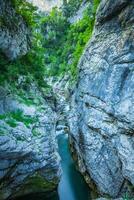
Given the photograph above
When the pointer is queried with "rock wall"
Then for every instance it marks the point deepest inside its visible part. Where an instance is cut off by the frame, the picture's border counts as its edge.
(29, 162)
(102, 106)
(46, 5)
(14, 33)
(80, 13)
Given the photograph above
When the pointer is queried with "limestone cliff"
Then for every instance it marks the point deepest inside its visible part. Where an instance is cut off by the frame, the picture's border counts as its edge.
(102, 108)
(14, 33)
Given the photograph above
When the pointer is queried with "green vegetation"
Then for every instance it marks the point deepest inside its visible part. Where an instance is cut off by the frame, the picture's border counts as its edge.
(12, 118)
(37, 183)
(27, 11)
(11, 122)
(20, 117)
(36, 132)
(56, 45)
(2, 131)
(71, 7)
(64, 42)
(127, 197)
(32, 64)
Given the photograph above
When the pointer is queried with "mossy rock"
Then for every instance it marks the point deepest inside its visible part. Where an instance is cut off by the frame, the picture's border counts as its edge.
(36, 184)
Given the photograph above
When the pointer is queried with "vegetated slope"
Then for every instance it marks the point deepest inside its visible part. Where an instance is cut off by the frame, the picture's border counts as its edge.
(64, 42)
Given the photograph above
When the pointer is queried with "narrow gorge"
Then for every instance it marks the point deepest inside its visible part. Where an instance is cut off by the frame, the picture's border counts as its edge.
(67, 100)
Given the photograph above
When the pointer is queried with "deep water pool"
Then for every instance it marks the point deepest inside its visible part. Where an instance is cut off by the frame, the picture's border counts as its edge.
(72, 185)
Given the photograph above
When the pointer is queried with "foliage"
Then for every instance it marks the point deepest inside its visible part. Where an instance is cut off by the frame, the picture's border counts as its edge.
(12, 118)
(70, 7)
(32, 64)
(27, 11)
(64, 42)
(57, 50)
(11, 122)
(21, 117)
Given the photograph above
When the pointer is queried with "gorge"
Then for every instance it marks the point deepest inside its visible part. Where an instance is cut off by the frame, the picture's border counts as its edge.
(67, 100)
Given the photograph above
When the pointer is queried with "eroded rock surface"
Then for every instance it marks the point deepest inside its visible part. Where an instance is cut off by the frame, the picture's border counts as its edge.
(102, 107)
(14, 33)
(29, 161)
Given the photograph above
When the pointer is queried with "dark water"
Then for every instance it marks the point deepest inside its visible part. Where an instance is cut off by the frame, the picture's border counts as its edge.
(72, 186)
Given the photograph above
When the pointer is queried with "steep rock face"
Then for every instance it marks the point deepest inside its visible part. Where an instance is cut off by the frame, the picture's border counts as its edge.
(102, 107)
(46, 5)
(29, 162)
(80, 13)
(14, 33)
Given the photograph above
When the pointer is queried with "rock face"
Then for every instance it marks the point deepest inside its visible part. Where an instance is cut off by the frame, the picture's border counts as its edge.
(29, 161)
(80, 13)
(46, 5)
(14, 33)
(102, 107)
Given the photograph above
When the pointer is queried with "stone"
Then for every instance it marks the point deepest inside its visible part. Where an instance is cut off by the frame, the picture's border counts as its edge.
(15, 35)
(102, 105)
(29, 160)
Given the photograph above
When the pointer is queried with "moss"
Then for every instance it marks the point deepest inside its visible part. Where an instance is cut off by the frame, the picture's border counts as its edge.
(26, 10)
(36, 133)
(39, 182)
(2, 21)
(12, 118)
(20, 117)
(36, 184)
(11, 122)
(2, 117)
(2, 132)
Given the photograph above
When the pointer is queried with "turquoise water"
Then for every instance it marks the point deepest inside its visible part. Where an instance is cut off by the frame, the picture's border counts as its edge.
(72, 186)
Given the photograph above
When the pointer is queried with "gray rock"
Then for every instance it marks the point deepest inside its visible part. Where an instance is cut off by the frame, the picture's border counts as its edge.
(102, 106)
(29, 161)
(14, 33)
(80, 13)
(47, 5)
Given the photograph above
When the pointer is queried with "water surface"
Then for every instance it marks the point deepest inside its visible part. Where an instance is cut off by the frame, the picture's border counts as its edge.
(72, 185)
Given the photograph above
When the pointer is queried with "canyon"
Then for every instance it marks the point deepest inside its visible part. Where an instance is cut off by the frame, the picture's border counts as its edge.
(96, 110)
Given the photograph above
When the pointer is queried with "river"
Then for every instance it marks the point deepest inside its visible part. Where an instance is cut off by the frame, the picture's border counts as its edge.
(72, 185)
